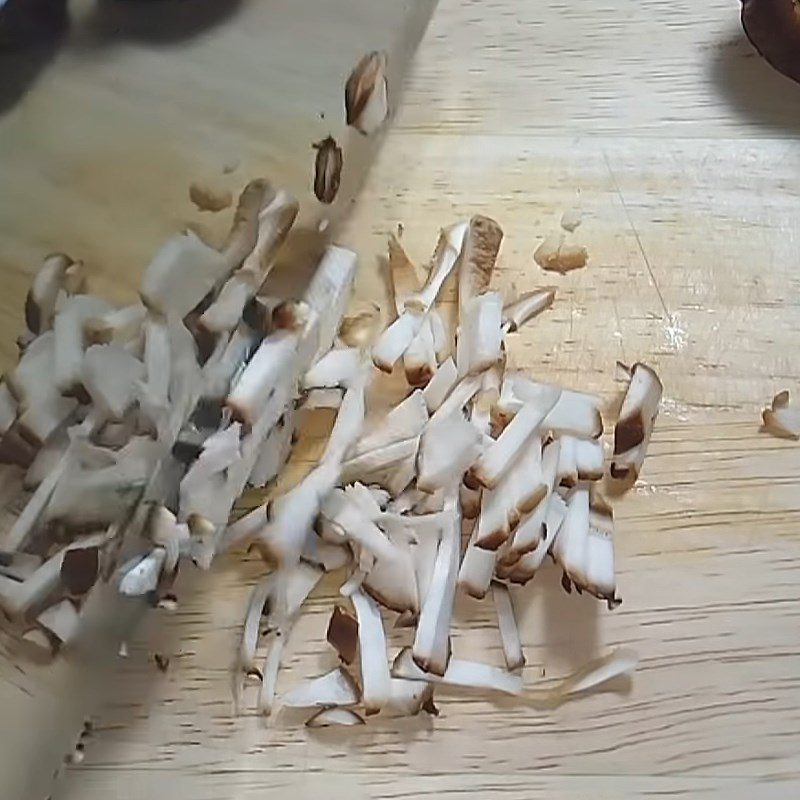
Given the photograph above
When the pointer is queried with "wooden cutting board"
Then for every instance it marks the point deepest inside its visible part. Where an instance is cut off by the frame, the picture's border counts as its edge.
(681, 148)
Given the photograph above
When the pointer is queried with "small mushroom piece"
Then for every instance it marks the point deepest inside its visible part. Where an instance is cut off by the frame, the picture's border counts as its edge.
(327, 169)
(440, 385)
(419, 359)
(342, 634)
(79, 569)
(366, 94)
(555, 254)
(781, 419)
(635, 424)
(207, 198)
(40, 303)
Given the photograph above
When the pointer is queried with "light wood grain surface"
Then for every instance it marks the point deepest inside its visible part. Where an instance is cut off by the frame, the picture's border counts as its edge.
(681, 148)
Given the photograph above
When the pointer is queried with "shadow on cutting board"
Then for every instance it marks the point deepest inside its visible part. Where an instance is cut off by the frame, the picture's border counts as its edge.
(33, 31)
(154, 21)
(751, 86)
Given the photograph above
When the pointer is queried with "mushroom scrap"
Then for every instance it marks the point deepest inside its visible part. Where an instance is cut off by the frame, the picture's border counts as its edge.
(140, 428)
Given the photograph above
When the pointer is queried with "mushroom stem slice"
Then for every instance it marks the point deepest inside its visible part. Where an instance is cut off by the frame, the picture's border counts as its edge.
(502, 453)
(252, 620)
(405, 276)
(527, 307)
(448, 250)
(270, 366)
(396, 339)
(337, 368)
(181, 274)
(477, 568)
(530, 531)
(507, 624)
(40, 303)
(570, 548)
(335, 688)
(407, 698)
(471, 674)
(419, 359)
(274, 223)
(480, 248)
(372, 645)
(329, 293)
(405, 421)
(440, 385)
(639, 409)
(431, 650)
(275, 451)
(480, 335)
(447, 449)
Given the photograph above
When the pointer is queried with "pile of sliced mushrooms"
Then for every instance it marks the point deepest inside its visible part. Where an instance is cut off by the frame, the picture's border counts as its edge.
(139, 428)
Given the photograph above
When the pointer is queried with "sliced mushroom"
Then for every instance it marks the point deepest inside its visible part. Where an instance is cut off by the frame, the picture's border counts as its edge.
(375, 677)
(365, 96)
(405, 421)
(431, 650)
(481, 246)
(527, 307)
(440, 385)
(470, 674)
(447, 449)
(342, 634)
(275, 220)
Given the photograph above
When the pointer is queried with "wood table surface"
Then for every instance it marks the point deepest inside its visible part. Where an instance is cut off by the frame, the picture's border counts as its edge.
(681, 147)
